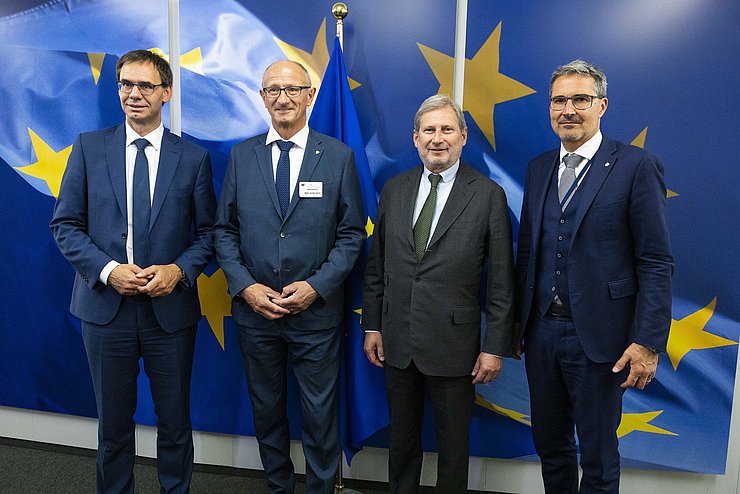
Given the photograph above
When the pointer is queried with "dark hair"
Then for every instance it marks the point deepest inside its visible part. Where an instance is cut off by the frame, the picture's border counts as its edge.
(146, 56)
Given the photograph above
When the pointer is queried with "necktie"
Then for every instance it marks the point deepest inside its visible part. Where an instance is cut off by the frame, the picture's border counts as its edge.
(282, 176)
(141, 204)
(423, 226)
(568, 177)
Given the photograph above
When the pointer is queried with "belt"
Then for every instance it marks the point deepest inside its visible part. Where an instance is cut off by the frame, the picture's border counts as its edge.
(558, 311)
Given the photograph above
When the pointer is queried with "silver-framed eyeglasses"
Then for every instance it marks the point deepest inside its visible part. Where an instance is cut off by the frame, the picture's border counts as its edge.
(145, 88)
(580, 101)
(290, 91)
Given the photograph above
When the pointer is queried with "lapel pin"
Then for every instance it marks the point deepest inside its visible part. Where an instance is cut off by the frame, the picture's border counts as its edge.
(316, 151)
(607, 164)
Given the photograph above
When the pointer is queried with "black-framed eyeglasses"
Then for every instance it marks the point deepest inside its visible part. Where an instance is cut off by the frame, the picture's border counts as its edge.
(290, 91)
(145, 88)
(580, 101)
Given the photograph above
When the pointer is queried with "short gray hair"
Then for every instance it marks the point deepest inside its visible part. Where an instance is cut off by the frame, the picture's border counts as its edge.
(581, 67)
(435, 103)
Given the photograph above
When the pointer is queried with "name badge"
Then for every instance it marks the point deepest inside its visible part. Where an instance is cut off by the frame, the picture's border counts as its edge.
(310, 189)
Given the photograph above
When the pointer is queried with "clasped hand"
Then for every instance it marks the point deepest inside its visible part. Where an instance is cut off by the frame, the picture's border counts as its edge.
(155, 281)
(270, 304)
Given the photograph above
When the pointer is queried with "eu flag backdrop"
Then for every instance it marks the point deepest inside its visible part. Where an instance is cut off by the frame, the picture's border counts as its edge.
(673, 69)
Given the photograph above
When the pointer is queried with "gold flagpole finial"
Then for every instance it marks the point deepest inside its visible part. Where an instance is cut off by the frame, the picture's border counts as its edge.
(339, 11)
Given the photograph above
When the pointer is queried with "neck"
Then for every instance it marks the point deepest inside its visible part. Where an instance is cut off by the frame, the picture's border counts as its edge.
(286, 132)
(143, 128)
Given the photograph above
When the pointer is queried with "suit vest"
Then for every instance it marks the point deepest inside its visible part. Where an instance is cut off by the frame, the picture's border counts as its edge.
(555, 239)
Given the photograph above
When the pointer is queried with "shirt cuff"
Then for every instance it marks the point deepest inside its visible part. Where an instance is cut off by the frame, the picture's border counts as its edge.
(107, 270)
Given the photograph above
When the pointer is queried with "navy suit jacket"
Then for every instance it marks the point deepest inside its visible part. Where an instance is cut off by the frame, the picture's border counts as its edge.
(90, 224)
(619, 260)
(318, 241)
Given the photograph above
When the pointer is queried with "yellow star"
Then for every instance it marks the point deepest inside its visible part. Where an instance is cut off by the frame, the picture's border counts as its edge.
(192, 60)
(639, 141)
(50, 164)
(215, 302)
(369, 227)
(632, 422)
(512, 414)
(96, 63)
(316, 61)
(485, 86)
(688, 334)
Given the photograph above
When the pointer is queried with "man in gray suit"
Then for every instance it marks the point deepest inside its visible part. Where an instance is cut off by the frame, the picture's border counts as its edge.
(438, 227)
(288, 232)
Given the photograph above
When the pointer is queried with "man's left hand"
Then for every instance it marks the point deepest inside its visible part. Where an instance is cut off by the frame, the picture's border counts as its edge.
(162, 279)
(486, 368)
(643, 364)
(296, 297)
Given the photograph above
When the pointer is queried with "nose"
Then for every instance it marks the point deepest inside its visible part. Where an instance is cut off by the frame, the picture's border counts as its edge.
(283, 97)
(569, 108)
(135, 93)
(437, 137)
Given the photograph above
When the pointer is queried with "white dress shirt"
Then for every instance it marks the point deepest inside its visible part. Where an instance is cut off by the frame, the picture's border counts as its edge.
(299, 140)
(586, 151)
(152, 155)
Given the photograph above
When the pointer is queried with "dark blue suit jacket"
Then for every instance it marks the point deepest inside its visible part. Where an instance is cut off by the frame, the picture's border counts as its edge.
(318, 241)
(619, 262)
(90, 224)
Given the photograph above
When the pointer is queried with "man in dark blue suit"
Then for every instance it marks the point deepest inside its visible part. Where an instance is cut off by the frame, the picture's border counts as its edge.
(289, 228)
(594, 270)
(134, 216)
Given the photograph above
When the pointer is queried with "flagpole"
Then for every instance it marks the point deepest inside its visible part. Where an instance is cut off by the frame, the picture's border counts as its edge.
(173, 19)
(339, 11)
(461, 20)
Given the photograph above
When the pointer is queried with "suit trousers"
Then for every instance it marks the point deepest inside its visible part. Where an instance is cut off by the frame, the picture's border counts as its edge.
(113, 351)
(452, 401)
(569, 390)
(315, 356)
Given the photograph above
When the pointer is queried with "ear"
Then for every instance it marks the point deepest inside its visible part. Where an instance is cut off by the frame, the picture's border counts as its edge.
(416, 139)
(311, 94)
(604, 103)
(464, 134)
(166, 94)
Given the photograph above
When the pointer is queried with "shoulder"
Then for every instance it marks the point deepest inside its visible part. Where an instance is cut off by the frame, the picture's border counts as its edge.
(633, 156)
(188, 147)
(100, 134)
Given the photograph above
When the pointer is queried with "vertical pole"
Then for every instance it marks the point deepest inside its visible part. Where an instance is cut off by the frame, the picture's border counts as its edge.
(173, 23)
(461, 20)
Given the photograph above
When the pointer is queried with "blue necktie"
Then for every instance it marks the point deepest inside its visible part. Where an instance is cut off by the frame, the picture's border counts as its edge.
(141, 205)
(282, 176)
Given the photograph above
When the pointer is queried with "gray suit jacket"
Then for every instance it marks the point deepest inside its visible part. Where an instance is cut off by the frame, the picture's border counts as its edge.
(430, 311)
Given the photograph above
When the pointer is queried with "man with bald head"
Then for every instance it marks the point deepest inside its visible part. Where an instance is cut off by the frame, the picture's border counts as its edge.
(290, 226)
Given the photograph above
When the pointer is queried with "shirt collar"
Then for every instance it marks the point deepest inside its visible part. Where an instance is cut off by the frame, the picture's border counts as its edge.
(447, 176)
(154, 137)
(587, 149)
(299, 139)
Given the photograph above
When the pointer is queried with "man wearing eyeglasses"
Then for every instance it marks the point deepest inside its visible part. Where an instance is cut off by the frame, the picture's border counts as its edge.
(594, 269)
(134, 216)
(289, 228)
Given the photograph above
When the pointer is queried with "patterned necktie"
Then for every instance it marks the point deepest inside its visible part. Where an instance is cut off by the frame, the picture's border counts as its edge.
(282, 176)
(423, 226)
(568, 177)
(141, 204)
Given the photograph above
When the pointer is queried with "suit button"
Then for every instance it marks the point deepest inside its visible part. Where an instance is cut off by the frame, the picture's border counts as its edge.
(417, 279)
(282, 234)
(557, 272)
(552, 289)
(560, 255)
(560, 237)
(124, 235)
(274, 271)
(562, 221)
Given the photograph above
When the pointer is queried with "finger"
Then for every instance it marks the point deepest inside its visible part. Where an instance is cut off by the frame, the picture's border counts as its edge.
(621, 363)
(631, 381)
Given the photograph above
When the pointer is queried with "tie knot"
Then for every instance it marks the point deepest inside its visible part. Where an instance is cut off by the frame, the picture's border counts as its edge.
(572, 160)
(284, 145)
(434, 179)
(141, 144)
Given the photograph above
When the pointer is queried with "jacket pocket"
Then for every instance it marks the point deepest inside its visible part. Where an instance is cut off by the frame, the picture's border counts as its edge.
(465, 315)
(623, 288)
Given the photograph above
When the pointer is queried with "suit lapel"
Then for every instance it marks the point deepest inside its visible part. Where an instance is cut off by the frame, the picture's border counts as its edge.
(115, 154)
(311, 157)
(602, 164)
(460, 195)
(263, 153)
(169, 158)
(407, 203)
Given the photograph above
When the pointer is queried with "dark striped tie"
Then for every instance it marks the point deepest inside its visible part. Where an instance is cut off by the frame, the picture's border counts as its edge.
(423, 226)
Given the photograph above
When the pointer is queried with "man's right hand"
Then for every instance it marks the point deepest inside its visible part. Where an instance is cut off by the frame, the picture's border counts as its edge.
(259, 297)
(374, 348)
(123, 279)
